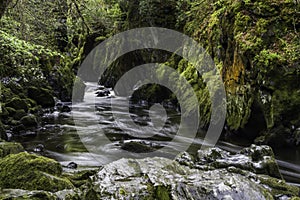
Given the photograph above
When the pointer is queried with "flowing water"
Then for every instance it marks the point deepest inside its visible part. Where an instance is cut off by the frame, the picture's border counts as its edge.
(91, 136)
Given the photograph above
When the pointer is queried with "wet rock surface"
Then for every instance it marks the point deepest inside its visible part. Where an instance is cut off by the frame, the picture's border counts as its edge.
(257, 159)
(213, 174)
(154, 178)
(186, 177)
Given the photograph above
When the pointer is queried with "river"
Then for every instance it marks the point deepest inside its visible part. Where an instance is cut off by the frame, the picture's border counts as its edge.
(91, 137)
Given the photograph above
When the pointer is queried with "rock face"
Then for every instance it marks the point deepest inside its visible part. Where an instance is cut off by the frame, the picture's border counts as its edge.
(161, 178)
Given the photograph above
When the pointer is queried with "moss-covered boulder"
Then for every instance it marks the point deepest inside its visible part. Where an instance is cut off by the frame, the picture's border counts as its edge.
(42, 96)
(19, 114)
(11, 111)
(7, 148)
(18, 104)
(32, 172)
(29, 121)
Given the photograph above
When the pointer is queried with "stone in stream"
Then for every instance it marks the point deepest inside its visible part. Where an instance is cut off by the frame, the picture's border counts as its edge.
(257, 159)
(103, 93)
(136, 147)
(72, 165)
(39, 148)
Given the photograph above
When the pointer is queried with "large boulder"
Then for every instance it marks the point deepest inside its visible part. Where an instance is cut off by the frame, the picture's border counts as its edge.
(32, 172)
(18, 104)
(161, 178)
(29, 121)
(257, 159)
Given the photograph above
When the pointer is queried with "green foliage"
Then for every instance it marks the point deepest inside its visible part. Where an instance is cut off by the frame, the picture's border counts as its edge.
(38, 22)
(24, 60)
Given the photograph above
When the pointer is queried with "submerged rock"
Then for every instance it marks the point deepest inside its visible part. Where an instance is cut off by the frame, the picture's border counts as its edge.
(137, 147)
(31, 172)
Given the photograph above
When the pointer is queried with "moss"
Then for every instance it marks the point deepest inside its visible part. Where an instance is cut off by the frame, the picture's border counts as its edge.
(31, 172)
(279, 186)
(42, 96)
(27, 195)
(80, 178)
(11, 111)
(29, 121)
(19, 114)
(7, 148)
(162, 193)
(253, 43)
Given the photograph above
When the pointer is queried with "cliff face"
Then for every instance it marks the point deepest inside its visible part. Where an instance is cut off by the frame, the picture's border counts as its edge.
(256, 46)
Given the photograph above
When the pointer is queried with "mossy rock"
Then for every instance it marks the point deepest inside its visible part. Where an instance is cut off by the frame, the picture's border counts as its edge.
(42, 96)
(3, 112)
(7, 148)
(18, 104)
(19, 114)
(32, 172)
(29, 121)
(279, 187)
(16, 194)
(11, 111)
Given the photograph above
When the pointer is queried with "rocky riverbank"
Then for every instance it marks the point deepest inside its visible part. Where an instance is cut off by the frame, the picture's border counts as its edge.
(213, 173)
